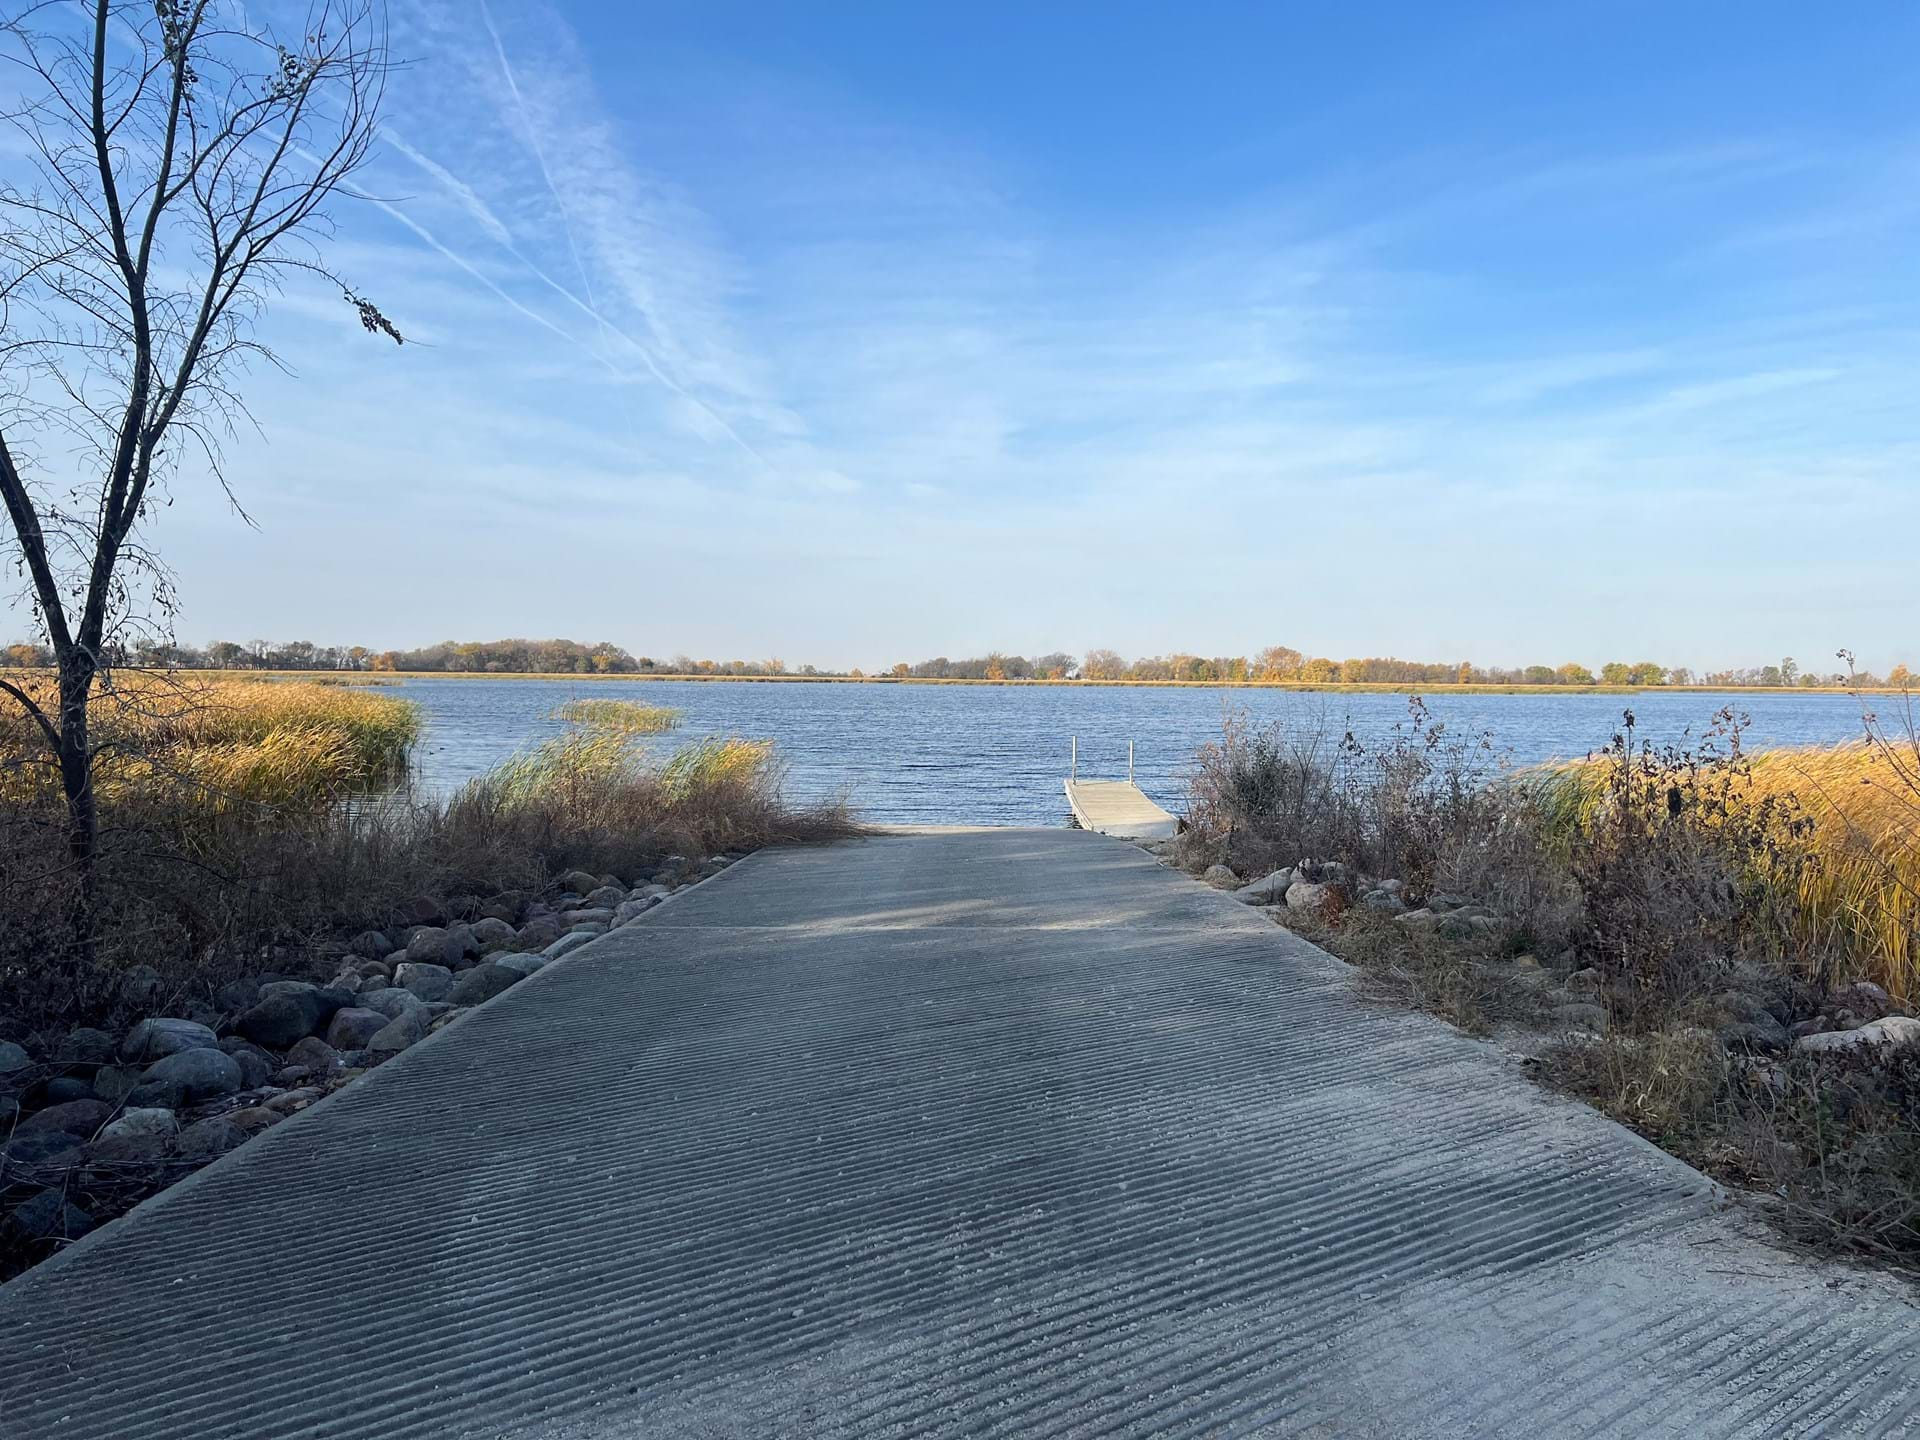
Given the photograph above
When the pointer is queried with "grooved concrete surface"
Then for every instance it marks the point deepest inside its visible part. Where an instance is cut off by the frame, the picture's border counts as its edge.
(999, 1133)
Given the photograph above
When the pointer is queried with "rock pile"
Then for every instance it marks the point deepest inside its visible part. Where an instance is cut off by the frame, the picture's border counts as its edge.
(91, 1121)
(1754, 1014)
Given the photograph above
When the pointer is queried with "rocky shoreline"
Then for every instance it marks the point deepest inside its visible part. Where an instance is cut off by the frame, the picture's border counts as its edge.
(1761, 1019)
(95, 1121)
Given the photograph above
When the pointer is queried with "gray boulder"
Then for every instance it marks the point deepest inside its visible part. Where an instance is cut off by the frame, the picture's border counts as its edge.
(238, 995)
(63, 1088)
(580, 882)
(75, 1117)
(194, 1075)
(154, 1122)
(289, 1101)
(1268, 890)
(157, 1038)
(606, 896)
(426, 980)
(316, 1055)
(406, 1030)
(482, 983)
(49, 1215)
(539, 932)
(567, 944)
(633, 909)
(522, 965)
(1384, 901)
(491, 933)
(13, 1059)
(1896, 1032)
(41, 1151)
(371, 945)
(1308, 896)
(435, 945)
(352, 1028)
(252, 1119)
(85, 1046)
(281, 1020)
(1220, 877)
(392, 1003)
(1763, 1034)
(113, 1083)
(209, 1138)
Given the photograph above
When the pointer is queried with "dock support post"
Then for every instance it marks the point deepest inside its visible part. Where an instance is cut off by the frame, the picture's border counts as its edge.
(1129, 762)
(1073, 770)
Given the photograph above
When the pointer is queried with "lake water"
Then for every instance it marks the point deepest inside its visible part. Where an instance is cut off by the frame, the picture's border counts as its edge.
(996, 754)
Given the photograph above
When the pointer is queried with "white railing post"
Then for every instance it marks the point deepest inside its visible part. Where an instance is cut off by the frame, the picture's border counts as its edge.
(1073, 770)
(1129, 762)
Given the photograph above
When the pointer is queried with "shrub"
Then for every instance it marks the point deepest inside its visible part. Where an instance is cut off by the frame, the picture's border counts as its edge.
(1416, 806)
(229, 849)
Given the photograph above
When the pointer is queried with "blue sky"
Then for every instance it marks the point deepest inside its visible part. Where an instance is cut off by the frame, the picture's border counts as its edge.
(852, 333)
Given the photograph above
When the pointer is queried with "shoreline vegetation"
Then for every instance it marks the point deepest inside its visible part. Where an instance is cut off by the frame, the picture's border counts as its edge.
(272, 911)
(1720, 950)
(367, 678)
(1276, 665)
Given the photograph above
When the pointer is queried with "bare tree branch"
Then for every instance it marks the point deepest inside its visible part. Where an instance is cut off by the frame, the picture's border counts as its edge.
(179, 156)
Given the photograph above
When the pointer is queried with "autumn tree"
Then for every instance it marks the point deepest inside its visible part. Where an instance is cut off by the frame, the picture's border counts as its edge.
(173, 160)
(1276, 662)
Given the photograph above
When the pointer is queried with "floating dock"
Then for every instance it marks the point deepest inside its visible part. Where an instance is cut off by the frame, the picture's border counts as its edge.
(1119, 807)
(1116, 807)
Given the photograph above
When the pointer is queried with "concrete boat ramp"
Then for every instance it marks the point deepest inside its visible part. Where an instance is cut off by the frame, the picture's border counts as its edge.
(995, 1133)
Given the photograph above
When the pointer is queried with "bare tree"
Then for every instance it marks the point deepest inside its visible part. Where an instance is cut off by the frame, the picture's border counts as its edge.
(177, 159)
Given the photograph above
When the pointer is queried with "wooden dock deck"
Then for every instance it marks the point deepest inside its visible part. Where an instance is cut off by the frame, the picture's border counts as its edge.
(1119, 807)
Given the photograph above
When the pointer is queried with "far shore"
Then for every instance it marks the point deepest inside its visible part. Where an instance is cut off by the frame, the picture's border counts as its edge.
(1328, 687)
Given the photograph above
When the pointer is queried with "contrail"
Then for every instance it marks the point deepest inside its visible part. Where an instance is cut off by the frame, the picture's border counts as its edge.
(428, 236)
(540, 158)
(591, 305)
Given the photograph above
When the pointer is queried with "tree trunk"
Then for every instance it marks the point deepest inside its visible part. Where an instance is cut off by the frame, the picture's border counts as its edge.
(76, 779)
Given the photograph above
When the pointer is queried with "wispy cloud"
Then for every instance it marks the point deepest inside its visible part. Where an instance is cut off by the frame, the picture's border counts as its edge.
(683, 309)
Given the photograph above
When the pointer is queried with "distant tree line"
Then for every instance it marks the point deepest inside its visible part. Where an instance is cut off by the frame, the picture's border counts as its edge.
(1281, 663)
(492, 657)
(1276, 663)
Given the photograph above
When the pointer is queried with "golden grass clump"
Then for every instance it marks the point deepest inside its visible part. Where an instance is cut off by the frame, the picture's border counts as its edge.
(1861, 893)
(1865, 888)
(624, 717)
(232, 742)
(609, 798)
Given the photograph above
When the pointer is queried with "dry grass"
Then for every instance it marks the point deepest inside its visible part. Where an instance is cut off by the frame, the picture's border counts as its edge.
(624, 717)
(1859, 897)
(1828, 1144)
(242, 835)
(1688, 907)
(1473, 985)
(225, 742)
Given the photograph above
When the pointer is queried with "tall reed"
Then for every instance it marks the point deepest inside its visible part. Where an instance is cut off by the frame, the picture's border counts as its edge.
(1859, 898)
(626, 717)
